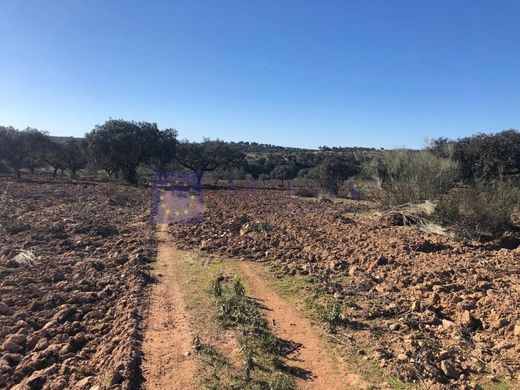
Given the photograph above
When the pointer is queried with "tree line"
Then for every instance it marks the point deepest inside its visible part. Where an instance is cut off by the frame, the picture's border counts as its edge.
(120, 147)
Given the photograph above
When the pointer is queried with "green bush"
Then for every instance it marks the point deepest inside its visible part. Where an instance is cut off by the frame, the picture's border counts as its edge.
(9, 210)
(483, 156)
(485, 210)
(410, 177)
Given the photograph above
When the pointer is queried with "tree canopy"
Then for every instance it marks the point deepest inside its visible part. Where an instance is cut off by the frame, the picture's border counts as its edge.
(207, 156)
(119, 145)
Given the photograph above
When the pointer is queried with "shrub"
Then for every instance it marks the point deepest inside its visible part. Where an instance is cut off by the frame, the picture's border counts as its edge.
(282, 172)
(333, 171)
(483, 156)
(410, 177)
(306, 192)
(9, 209)
(480, 211)
(331, 316)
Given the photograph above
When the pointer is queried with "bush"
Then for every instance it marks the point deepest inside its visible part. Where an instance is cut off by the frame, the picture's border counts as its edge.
(331, 316)
(333, 171)
(9, 210)
(481, 211)
(4, 168)
(483, 156)
(410, 177)
(306, 192)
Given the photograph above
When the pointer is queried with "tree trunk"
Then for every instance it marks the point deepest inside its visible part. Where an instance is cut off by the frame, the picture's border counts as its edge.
(18, 174)
(199, 178)
(54, 172)
(131, 176)
(32, 169)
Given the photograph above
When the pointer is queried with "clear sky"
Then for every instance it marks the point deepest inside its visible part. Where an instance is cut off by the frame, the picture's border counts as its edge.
(384, 73)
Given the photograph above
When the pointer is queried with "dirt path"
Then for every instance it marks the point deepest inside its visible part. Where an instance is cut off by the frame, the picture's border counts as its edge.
(327, 372)
(168, 363)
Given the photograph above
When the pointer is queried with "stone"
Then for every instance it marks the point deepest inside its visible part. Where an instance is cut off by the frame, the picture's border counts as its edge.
(447, 324)
(4, 309)
(516, 330)
(84, 384)
(14, 344)
(444, 354)
(449, 370)
(500, 323)
(402, 357)
(416, 306)
(11, 347)
(382, 260)
(42, 344)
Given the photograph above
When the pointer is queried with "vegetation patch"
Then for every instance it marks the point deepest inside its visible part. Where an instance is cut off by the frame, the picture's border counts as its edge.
(237, 349)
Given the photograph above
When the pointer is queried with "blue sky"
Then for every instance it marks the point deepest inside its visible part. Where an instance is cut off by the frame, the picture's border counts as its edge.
(297, 73)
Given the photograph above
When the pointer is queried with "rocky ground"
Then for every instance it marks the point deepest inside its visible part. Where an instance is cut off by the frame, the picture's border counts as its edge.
(72, 271)
(439, 312)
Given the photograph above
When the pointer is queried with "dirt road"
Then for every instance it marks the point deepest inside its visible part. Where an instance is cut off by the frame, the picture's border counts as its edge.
(325, 372)
(168, 362)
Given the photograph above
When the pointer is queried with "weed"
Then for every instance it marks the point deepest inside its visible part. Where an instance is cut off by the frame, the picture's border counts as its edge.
(331, 316)
(485, 210)
(281, 381)
(239, 288)
(216, 286)
(260, 348)
(9, 210)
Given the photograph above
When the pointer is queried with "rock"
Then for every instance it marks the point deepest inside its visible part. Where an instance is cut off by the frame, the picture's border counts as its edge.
(500, 323)
(13, 358)
(382, 260)
(467, 320)
(416, 306)
(447, 324)
(64, 313)
(120, 260)
(12, 347)
(84, 384)
(4, 309)
(58, 277)
(449, 370)
(42, 344)
(116, 378)
(14, 344)
(444, 354)
(516, 330)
